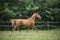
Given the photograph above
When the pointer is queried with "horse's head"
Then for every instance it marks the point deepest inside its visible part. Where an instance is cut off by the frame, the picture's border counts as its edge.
(37, 15)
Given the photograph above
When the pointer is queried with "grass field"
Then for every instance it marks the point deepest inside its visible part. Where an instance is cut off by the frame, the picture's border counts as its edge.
(31, 35)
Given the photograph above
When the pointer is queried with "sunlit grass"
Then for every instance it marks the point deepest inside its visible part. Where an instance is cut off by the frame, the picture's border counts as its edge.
(31, 35)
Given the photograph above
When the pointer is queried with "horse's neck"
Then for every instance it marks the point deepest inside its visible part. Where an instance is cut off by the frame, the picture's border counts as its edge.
(32, 18)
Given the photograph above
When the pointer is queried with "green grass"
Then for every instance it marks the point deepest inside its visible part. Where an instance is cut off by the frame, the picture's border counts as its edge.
(31, 35)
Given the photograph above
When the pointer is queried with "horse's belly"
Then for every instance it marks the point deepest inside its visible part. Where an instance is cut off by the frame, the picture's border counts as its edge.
(26, 23)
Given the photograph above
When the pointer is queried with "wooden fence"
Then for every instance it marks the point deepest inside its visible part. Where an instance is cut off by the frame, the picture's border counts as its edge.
(6, 25)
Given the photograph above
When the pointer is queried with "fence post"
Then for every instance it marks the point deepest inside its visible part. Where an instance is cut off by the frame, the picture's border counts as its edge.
(48, 25)
(0, 27)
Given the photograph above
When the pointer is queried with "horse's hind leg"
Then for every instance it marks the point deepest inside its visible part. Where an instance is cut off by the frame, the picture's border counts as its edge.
(12, 30)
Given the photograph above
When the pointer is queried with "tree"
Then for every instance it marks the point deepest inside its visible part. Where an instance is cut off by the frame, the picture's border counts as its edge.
(48, 9)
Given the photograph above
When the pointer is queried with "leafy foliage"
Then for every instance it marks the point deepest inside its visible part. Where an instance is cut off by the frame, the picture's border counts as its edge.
(48, 9)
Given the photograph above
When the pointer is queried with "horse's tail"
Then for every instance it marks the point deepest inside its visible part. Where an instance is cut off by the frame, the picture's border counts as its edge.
(13, 22)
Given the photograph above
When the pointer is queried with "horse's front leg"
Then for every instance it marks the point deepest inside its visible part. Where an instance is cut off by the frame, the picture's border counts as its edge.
(27, 29)
(33, 27)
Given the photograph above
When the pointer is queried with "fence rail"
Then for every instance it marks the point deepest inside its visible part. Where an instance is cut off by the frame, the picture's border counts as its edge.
(36, 22)
(47, 24)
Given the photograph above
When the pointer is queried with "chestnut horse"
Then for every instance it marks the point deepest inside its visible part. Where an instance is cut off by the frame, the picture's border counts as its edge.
(26, 22)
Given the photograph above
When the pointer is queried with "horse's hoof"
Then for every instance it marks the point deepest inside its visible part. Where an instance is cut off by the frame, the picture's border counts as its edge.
(10, 34)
